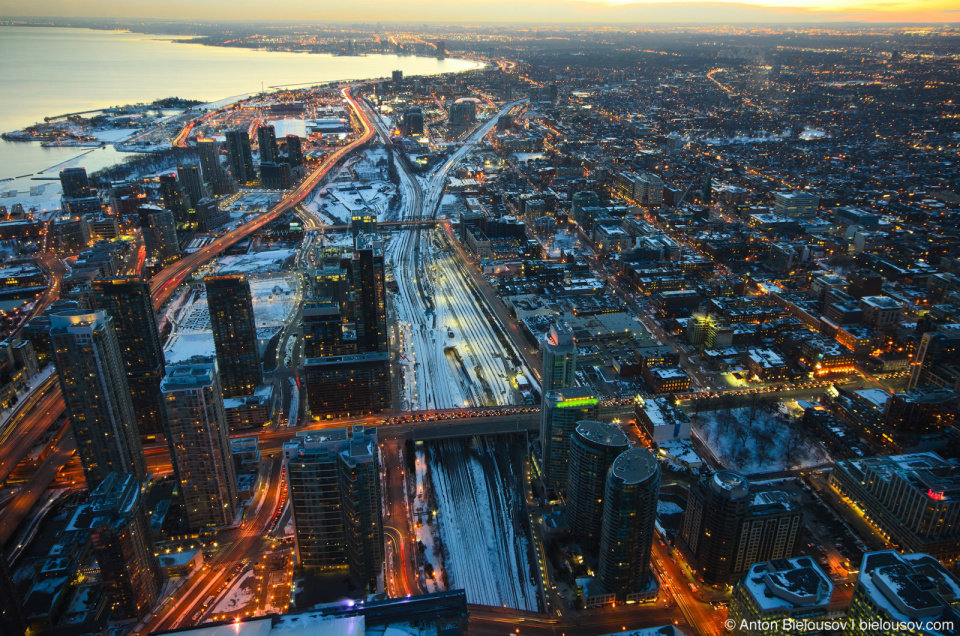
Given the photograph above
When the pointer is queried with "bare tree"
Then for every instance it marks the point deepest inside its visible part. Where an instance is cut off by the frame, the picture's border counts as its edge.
(795, 442)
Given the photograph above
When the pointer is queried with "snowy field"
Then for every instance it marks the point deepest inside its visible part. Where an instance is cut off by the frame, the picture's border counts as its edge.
(477, 485)
(114, 135)
(255, 262)
(275, 300)
(241, 593)
(362, 186)
(757, 439)
(563, 241)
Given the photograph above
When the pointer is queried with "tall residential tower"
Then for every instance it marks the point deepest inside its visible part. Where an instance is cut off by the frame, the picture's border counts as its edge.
(199, 441)
(91, 370)
(334, 482)
(241, 156)
(629, 519)
(559, 359)
(122, 545)
(128, 302)
(593, 448)
(234, 334)
(559, 414)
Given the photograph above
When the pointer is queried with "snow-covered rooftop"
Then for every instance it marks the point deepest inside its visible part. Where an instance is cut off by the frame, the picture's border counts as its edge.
(786, 585)
(910, 588)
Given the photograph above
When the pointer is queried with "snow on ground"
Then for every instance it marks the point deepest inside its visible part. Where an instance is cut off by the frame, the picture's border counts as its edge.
(275, 299)
(40, 196)
(668, 508)
(427, 533)
(809, 134)
(756, 440)
(471, 367)
(360, 186)
(480, 511)
(240, 594)
(113, 135)
(527, 156)
(254, 262)
(564, 241)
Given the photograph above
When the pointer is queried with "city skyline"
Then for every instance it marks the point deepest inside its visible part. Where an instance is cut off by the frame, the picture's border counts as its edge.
(535, 11)
(543, 329)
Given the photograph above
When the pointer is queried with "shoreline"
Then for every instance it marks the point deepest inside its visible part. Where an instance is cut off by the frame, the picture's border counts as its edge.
(222, 101)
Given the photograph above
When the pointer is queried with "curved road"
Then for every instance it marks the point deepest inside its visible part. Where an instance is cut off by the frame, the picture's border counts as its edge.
(48, 404)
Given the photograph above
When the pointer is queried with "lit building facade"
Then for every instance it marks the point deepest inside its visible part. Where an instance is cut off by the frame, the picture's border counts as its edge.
(629, 520)
(129, 303)
(593, 447)
(559, 351)
(122, 545)
(159, 231)
(94, 385)
(710, 528)
(370, 292)
(199, 442)
(774, 594)
(913, 499)
(334, 485)
(234, 334)
(903, 595)
(559, 414)
(241, 155)
(348, 385)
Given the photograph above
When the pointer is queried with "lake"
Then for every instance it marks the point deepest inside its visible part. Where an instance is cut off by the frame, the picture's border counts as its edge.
(52, 71)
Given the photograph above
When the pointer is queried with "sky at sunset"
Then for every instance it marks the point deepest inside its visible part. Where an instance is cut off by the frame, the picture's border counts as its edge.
(604, 11)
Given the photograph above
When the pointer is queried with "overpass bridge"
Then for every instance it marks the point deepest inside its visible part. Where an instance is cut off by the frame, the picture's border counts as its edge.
(467, 427)
(385, 225)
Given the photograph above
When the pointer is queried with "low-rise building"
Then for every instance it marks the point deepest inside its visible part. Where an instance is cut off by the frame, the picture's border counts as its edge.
(176, 564)
(881, 312)
(666, 379)
(661, 421)
(767, 365)
(252, 411)
(913, 499)
(774, 594)
(903, 595)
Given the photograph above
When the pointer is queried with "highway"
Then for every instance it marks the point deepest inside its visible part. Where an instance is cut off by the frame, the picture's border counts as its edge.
(166, 282)
(48, 404)
(36, 414)
(55, 270)
(19, 507)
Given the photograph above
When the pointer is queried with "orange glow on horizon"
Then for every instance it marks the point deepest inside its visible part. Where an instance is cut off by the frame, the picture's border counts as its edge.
(623, 12)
